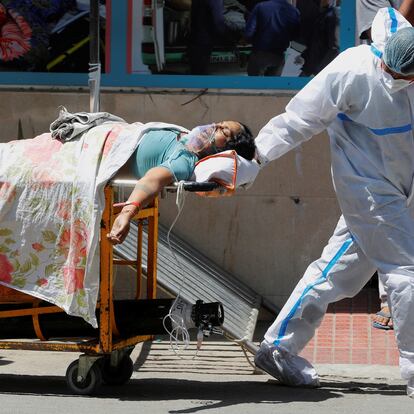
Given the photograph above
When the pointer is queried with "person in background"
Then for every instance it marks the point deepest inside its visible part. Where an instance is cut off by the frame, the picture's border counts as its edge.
(207, 29)
(365, 13)
(271, 25)
(320, 40)
(309, 12)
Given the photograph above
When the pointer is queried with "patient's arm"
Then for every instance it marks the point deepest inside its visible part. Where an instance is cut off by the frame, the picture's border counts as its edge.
(144, 192)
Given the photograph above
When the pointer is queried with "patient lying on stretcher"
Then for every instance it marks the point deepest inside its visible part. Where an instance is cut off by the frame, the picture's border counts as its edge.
(52, 194)
(165, 156)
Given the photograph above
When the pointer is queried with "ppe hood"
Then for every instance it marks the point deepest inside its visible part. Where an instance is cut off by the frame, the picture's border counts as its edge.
(386, 22)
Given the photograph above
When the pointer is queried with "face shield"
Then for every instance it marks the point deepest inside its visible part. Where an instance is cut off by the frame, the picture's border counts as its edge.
(393, 85)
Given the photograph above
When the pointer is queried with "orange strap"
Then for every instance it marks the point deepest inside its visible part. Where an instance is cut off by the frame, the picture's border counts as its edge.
(229, 188)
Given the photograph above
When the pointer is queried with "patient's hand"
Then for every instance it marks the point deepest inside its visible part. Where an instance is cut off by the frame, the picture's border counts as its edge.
(119, 229)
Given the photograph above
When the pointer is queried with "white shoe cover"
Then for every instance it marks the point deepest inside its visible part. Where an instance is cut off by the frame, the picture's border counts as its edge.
(287, 368)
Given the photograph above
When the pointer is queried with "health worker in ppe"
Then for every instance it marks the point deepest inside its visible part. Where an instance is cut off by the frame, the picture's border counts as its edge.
(366, 11)
(167, 155)
(365, 100)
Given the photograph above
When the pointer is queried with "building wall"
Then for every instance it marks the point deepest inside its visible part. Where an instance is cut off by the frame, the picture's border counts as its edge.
(266, 235)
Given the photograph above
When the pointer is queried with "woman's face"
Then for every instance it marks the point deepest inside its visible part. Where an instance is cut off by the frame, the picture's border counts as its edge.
(225, 131)
(209, 139)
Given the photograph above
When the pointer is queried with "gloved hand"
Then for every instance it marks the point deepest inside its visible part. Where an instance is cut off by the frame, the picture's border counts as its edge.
(261, 159)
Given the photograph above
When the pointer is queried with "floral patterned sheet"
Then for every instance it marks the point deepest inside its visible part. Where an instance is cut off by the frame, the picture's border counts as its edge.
(51, 202)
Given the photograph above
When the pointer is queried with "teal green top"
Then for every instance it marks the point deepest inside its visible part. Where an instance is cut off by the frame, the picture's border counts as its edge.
(160, 148)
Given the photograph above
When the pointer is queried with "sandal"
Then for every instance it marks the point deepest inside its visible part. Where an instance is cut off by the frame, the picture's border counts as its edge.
(383, 319)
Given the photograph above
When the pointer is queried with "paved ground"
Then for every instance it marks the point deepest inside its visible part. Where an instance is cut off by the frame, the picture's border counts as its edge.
(218, 380)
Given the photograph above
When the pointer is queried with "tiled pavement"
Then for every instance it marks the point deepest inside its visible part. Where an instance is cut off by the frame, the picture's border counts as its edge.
(346, 335)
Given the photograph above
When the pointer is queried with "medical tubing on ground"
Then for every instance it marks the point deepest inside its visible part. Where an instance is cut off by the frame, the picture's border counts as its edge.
(178, 327)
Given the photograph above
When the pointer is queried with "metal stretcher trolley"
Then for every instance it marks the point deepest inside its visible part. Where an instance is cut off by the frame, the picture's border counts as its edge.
(105, 357)
(105, 352)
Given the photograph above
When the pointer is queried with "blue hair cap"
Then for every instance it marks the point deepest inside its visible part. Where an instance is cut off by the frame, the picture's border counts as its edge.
(399, 52)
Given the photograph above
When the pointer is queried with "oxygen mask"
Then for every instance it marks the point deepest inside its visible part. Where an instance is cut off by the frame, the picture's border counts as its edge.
(201, 140)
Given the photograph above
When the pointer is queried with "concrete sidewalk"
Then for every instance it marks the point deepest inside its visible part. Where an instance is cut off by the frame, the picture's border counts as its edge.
(218, 380)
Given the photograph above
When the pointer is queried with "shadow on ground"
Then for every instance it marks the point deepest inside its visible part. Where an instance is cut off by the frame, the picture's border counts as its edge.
(5, 361)
(204, 395)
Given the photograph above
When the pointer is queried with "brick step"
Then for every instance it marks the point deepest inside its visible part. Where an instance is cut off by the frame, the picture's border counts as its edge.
(346, 335)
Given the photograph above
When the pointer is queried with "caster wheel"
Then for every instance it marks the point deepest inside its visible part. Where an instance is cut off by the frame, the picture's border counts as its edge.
(89, 385)
(118, 375)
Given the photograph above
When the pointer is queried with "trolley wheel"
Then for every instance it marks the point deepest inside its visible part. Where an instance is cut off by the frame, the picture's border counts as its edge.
(119, 374)
(92, 381)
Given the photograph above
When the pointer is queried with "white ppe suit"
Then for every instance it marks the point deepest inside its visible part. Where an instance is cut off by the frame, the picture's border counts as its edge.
(369, 119)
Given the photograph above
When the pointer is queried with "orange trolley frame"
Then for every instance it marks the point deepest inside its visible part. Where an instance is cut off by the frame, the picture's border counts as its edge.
(107, 343)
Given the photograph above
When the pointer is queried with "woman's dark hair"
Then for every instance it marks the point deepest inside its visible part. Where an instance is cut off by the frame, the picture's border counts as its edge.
(243, 143)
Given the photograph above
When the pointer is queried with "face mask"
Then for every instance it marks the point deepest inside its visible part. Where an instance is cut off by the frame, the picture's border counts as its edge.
(393, 85)
(200, 140)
